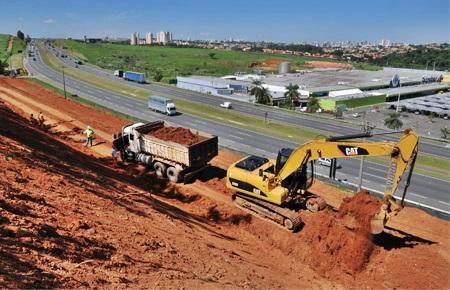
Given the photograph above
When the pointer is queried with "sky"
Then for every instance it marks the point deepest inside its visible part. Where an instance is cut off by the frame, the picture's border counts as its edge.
(408, 21)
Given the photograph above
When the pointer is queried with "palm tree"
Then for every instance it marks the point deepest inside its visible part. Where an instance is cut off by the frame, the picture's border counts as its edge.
(393, 121)
(291, 94)
(313, 104)
(260, 93)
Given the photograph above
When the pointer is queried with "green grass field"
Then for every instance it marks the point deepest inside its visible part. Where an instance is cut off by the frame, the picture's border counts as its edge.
(3, 46)
(17, 48)
(170, 61)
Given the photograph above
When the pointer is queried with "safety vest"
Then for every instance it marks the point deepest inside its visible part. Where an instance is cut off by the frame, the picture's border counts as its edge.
(89, 132)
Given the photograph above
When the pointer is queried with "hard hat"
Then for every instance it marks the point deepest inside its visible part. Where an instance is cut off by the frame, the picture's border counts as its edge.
(89, 127)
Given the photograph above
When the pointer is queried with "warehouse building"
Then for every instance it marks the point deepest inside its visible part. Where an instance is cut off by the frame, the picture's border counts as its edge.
(212, 85)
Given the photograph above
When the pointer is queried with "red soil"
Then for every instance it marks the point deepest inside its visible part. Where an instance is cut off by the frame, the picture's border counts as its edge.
(178, 135)
(327, 64)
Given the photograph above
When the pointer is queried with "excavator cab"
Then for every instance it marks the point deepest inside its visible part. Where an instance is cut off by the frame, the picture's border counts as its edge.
(301, 179)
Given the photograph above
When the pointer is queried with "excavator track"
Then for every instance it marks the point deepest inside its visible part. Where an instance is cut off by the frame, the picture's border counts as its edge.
(286, 218)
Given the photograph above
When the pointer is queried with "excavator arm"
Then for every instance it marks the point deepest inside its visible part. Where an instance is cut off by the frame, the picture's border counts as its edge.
(402, 154)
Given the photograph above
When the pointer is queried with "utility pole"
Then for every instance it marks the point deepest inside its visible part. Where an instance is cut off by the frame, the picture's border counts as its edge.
(398, 99)
(64, 82)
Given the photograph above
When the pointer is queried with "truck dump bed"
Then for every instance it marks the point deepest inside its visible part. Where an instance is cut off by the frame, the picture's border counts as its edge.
(190, 154)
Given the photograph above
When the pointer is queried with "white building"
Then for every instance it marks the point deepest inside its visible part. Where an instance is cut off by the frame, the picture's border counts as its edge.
(163, 37)
(385, 42)
(134, 38)
(149, 38)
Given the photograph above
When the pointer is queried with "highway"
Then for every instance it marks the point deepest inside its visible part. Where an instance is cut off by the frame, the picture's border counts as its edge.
(424, 190)
(297, 119)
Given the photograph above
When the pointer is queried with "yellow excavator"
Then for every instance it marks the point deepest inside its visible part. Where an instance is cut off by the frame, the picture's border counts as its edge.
(277, 189)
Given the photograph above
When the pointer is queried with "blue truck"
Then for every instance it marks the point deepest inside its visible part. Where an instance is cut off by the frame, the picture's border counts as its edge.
(134, 76)
(162, 105)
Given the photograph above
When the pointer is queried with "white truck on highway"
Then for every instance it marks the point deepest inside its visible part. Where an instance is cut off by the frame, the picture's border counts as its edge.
(162, 105)
(178, 162)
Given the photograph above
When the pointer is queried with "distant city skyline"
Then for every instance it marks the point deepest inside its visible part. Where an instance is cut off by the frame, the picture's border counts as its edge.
(407, 21)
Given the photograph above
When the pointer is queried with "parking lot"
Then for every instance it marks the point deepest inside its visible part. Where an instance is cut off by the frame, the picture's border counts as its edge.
(375, 116)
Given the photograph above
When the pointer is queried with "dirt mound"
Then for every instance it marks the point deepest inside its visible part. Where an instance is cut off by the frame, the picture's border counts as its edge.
(334, 243)
(327, 64)
(178, 135)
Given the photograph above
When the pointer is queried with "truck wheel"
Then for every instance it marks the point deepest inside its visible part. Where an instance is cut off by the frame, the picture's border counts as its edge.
(172, 174)
(160, 169)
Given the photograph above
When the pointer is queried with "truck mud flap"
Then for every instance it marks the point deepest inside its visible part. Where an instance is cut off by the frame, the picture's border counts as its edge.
(188, 177)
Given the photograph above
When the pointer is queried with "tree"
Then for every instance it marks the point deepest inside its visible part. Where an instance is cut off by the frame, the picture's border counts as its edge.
(260, 93)
(2, 66)
(20, 35)
(313, 104)
(212, 55)
(291, 94)
(158, 76)
(393, 121)
(445, 132)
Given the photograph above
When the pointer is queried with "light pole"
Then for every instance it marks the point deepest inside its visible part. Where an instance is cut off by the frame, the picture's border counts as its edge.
(64, 82)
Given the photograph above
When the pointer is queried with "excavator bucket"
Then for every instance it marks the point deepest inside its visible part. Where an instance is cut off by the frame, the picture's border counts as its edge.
(377, 223)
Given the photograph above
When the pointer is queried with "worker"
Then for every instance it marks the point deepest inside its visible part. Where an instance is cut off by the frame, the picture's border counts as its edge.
(89, 135)
(41, 119)
(114, 155)
(33, 120)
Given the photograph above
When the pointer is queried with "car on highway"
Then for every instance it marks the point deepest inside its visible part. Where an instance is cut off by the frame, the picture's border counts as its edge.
(327, 162)
(226, 105)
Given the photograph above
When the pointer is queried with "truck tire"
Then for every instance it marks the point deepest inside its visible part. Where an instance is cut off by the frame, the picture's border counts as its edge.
(160, 169)
(173, 174)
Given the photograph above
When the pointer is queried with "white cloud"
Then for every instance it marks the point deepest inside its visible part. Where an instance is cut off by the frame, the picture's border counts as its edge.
(20, 19)
(49, 21)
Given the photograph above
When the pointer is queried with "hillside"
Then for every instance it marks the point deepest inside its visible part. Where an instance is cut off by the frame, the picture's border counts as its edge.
(420, 58)
(70, 219)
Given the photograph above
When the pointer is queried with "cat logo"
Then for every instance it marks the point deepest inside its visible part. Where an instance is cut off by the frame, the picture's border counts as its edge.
(255, 190)
(352, 150)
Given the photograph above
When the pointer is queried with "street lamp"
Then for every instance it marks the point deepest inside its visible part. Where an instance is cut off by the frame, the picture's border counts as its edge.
(64, 82)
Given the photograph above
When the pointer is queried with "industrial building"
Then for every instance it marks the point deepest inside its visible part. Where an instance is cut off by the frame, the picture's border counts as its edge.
(206, 85)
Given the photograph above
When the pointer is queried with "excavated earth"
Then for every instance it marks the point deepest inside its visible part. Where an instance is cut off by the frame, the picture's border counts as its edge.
(70, 218)
(178, 135)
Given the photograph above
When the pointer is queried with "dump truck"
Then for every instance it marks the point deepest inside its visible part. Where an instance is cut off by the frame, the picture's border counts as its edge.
(178, 162)
(134, 76)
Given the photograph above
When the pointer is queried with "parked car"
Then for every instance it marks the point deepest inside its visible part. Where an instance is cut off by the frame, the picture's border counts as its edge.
(226, 105)
(356, 115)
(327, 162)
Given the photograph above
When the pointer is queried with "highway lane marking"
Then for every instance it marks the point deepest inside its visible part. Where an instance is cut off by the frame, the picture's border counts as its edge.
(443, 202)
(376, 176)
(238, 123)
(236, 137)
(242, 133)
(418, 195)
